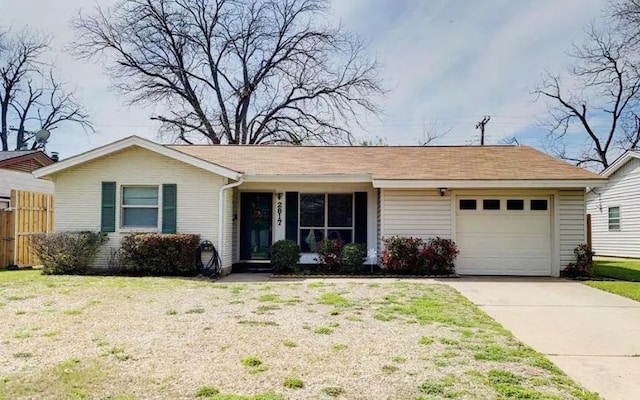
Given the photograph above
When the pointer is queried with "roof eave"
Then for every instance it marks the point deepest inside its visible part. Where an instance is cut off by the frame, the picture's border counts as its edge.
(132, 141)
(617, 164)
(488, 184)
(309, 178)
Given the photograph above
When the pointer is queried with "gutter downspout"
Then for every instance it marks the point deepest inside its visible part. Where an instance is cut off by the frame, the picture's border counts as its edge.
(221, 212)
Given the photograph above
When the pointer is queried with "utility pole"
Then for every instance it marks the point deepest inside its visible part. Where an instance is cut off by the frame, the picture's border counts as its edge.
(480, 125)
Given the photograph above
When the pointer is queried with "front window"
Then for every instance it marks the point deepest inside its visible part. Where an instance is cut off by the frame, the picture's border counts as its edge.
(139, 206)
(325, 215)
(614, 218)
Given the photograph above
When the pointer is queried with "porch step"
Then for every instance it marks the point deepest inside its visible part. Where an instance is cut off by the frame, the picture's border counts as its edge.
(251, 267)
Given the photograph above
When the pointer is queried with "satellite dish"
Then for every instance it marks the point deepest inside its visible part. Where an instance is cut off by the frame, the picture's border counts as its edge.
(42, 136)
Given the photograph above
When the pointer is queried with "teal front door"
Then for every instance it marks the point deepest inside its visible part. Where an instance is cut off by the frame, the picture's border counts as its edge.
(255, 226)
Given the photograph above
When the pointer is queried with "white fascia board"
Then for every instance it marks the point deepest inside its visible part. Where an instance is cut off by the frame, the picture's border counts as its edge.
(302, 178)
(485, 184)
(619, 163)
(142, 143)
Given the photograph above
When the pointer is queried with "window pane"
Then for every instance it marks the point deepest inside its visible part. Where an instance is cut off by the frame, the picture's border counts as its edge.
(614, 218)
(342, 234)
(467, 204)
(539, 205)
(614, 212)
(309, 239)
(140, 217)
(491, 204)
(140, 196)
(312, 209)
(340, 210)
(515, 204)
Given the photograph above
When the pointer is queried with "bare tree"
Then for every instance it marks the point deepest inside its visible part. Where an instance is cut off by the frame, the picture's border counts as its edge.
(431, 134)
(29, 99)
(235, 71)
(601, 110)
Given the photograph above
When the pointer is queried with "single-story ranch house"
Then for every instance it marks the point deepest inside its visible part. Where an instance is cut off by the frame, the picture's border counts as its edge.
(512, 210)
(615, 209)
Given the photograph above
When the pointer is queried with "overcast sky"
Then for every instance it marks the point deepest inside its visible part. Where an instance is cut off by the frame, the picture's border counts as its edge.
(447, 63)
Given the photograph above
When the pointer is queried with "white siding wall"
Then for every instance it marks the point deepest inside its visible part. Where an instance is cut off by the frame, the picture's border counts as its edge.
(417, 213)
(228, 231)
(572, 230)
(623, 190)
(78, 194)
(22, 181)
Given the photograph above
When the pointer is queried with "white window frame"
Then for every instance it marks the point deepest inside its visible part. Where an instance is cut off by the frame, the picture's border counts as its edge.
(617, 226)
(124, 206)
(326, 228)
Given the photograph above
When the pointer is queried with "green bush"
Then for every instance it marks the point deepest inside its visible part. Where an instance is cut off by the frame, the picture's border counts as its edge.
(285, 255)
(352, 257)
(159, 254)
(67, 252)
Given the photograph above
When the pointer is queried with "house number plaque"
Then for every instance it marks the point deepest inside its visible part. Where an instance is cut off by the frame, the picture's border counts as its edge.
(279, 209)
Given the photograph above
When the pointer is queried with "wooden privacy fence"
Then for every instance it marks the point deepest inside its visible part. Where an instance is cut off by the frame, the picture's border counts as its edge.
(30, 213)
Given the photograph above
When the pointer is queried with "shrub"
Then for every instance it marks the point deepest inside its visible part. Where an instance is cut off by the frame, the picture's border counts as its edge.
(67, 252)
(159, 254)
(352, 257)
(582, 266)
(329, 251)
(285, 255)
(293, 383)
(403, 255)
(439, 256)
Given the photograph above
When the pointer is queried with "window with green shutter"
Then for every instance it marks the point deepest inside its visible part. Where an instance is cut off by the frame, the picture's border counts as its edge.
(169, 208)
(108, 214)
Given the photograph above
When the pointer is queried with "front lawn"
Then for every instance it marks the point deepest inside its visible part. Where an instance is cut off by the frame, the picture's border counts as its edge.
(626, 289)
(139, 338)
(618, 268)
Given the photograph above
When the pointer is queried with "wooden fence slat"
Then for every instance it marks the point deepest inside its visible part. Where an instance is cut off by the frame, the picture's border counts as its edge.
(31, 213)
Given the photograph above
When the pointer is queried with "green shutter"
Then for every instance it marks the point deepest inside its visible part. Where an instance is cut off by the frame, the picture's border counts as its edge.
(360, 220)
(108, 216)
(291, 216)
(169, 208)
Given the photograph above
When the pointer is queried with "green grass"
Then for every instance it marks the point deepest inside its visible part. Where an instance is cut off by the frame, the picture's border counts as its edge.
(623, 269)
(251, 361)
(293, 383)
(458, 338)
(333, 391)
(626, 289)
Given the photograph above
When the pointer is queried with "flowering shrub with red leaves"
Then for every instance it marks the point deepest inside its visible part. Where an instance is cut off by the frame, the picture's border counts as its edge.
(440, 254)
(582, 266)
(407, 255)
(403, 255)
(329, 251)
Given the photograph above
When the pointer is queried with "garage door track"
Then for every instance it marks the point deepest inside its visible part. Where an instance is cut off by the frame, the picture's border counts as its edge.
(592, 335)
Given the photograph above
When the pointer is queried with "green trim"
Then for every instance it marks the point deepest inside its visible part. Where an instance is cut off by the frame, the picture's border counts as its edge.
(169, 208)
(108, 214)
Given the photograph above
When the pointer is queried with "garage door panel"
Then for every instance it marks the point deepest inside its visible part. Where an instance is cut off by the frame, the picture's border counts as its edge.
(504, 242)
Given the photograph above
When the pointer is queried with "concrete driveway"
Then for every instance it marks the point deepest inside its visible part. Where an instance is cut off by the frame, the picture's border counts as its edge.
(592, 335)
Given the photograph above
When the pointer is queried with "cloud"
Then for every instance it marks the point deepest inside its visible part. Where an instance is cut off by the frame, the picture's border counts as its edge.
(447, 62)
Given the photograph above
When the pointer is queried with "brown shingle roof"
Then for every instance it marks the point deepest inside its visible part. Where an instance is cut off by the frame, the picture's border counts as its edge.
(392, 162)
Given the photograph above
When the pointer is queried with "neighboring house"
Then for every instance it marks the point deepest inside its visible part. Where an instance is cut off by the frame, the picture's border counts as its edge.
(15, 173)
(615, 209)
(512, 210)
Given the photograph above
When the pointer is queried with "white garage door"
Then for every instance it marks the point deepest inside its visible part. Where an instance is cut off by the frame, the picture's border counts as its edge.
(503, 235)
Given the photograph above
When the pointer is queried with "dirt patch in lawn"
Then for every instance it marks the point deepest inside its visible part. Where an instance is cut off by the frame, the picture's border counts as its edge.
(154, 338)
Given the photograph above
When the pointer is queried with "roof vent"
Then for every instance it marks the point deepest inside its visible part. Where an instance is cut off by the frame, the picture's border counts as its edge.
(54, 156)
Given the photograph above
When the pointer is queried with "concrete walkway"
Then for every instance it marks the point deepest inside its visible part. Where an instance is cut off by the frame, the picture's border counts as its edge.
(592, 335)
